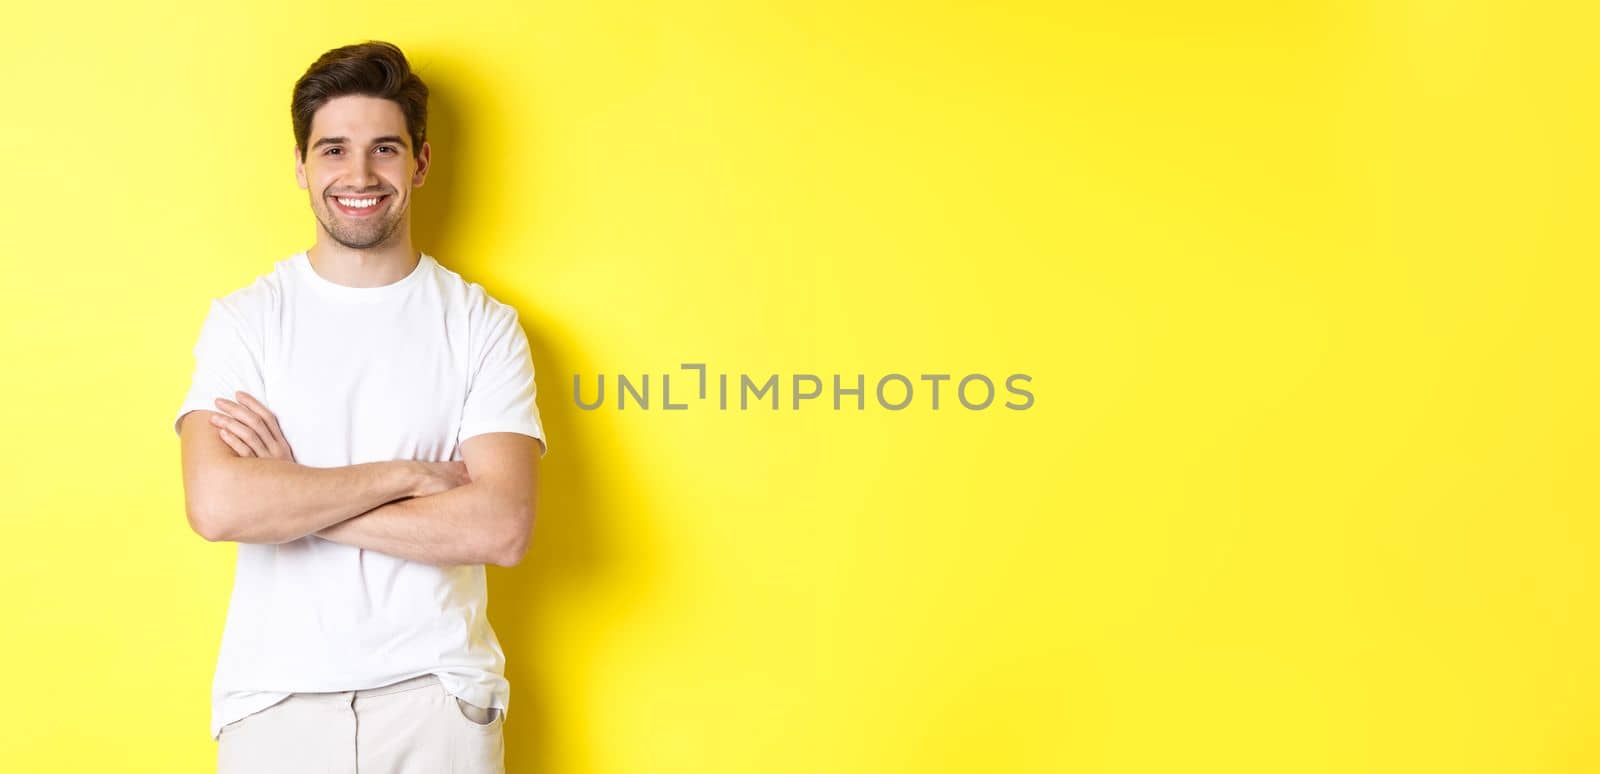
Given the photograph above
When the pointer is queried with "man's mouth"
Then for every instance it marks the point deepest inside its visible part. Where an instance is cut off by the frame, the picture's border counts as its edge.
(359, 205)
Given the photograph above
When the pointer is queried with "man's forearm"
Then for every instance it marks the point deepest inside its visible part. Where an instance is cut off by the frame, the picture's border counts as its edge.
(265, 500)
(469, 524)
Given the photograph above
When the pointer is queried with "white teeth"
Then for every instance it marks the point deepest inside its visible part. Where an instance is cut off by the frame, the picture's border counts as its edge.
(356, 204)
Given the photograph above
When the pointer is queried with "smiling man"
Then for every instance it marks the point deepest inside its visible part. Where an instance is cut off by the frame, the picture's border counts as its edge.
(362, 423)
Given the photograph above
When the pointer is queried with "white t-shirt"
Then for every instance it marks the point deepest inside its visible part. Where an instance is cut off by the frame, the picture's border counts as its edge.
(403, 371)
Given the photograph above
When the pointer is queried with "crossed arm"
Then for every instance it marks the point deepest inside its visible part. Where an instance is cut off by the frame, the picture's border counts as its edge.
(241, 484)
(485, 520)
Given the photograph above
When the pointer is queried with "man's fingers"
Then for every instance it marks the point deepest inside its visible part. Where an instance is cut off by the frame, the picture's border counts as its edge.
(272, 432)
(248, 417)
(250, 401)
(234, 443)
(245, 433)
(255, 425)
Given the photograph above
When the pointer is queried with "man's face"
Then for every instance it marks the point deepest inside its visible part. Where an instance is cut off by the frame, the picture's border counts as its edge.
(359, 150)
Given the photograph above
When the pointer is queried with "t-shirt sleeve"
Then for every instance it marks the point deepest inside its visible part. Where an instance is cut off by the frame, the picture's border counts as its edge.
(226, 359)
(502, 397)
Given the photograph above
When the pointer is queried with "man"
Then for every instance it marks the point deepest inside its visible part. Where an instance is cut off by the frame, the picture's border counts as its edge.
(398, 457)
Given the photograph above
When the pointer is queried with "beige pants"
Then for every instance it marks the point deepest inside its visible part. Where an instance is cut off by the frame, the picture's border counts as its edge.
(410, 727)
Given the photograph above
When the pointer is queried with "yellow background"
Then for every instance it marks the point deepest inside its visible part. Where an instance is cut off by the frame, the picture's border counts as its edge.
(1306, 291)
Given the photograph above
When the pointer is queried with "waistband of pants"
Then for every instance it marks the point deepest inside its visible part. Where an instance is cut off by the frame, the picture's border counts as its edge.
(420, 681)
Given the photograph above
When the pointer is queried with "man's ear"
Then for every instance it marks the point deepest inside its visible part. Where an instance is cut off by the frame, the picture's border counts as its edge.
(299, 168)
(423, 163)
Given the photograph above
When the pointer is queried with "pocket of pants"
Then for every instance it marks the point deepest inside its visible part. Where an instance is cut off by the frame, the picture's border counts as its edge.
(478, 717)
(479, 748)
(233, 726)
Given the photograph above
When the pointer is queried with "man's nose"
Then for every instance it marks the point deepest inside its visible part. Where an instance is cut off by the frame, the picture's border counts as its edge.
(364, 175)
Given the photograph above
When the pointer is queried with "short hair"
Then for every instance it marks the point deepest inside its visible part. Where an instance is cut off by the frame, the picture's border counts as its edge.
(373, 69)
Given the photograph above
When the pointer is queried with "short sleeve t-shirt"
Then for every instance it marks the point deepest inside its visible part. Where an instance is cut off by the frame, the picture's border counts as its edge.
(407, 370)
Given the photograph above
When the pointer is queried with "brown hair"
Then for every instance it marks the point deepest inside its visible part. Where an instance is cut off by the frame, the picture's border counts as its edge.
(373, 69)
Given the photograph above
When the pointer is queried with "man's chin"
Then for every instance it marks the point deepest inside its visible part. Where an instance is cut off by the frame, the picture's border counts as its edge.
(362, 241)
(364, 245)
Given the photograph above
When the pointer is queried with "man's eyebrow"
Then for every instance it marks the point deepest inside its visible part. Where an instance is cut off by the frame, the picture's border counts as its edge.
(341, 140)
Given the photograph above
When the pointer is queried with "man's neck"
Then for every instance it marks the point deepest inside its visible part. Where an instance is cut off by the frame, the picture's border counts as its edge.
(372, 268)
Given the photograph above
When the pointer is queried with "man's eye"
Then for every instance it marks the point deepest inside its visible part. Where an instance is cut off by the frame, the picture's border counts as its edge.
(386, 147)
(330, 151)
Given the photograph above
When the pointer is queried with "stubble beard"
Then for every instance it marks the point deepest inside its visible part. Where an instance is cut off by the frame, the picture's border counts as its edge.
(361, 236)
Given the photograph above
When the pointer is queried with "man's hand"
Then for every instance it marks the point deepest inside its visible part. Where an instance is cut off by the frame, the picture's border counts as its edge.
(250, 429)
(253, 431)
(436, 477)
